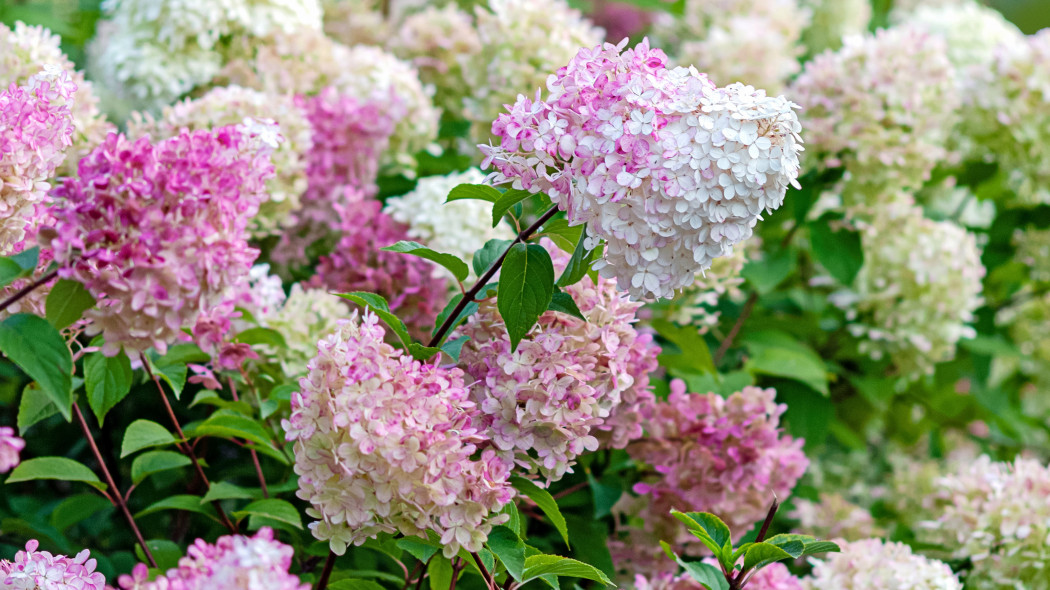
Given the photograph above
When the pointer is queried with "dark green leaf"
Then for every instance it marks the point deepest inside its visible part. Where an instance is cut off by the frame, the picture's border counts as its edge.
(152, 462)
(34, 407)
(39, 350)
(708, 528)
(232, 426)
(479, 192)
(526, 286)
(421, 549)
(66, 303)
(579, 263)
(694, 356)
(457, 267)
(382, 310)
(563, 302)
(820, 547)
(541, 565)
(180, 354)
(142, 434)
(509, 548)
(59, 468)
(274, 509)
(453, 348)
(76, 509)
(356, 584)
(705, 574)
(505, 202)
(107, 380)
(488, 254)
(19, 266)
(222, 490)
(837, 250)
(420, 352)
(545, 502)
(166, 552)
(516, 522)
(603, 495)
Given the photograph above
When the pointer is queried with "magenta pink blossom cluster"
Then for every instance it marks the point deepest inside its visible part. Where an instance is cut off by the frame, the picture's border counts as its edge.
(157, 233)
(721, 455)
(10, 449)
(384, 444)
(357, 263)
(32, 570)
(234, 562)
(544, 403)
(668, 169)
(36, 129)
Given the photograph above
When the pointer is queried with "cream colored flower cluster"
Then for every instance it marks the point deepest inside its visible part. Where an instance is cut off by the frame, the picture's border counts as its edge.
(832, 20)
(873, 564)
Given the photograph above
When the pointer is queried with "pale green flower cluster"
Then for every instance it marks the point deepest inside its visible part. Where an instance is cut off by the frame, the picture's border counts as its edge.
(917, 291)
(831, 20)
(307, 316)
(229, 105)
(834, 517)
(695, 304)
(751, 41)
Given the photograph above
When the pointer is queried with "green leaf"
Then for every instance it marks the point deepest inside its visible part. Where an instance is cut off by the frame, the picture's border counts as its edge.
(54, 468)
(381, 308)
(152, 462)
(839, 251)
(174, 375)
(272, 508)
(603, 496)
(222, 490)
(579, 263)
(468, 310)
(526, 286)
(263, 336)
(563, 302)
(540, 565)
(545, 502)
(480, 192)
(180, 354)
(231, 426)
(762, 554)
(488, 254)
(708, 528)
(790, 364)
(771, 270)
(19, 266)
(356, 584)
(453, 348)
(705, 574)
(820, 547)
(505, 202)
(440, 572)
(107, 380)
(184, 502)
(421, 549)
(509, 548)
(76, 509)
(34, 407)
(516, 522)
(562, 234)
(142, 434)
(39, 350)
(66, 303)
(457, 267)
(693, 354)
(792, 543)
(166, 552)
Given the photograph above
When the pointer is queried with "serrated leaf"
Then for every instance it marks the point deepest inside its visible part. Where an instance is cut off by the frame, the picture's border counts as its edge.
(480, 192)
(526, 286)
(142, 434)
(107, 380)
(791, 543)
(516, 522)
(708, 528)
(545, 502)
(505, 202)
(59, 468)
(34, 407)
(563, 302)
(820, 547)
(762, 554)
(541, 565)
(381, 308)
(152, 462)
(274, 509)
(488, 254)
(579, 263)
(838, 251)
(39, 350)
(66, 303)
(509, 548)
(457, 267)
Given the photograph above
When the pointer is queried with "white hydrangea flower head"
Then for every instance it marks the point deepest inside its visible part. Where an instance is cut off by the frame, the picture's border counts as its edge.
(882, 107)
(1009, 120)
(459, 228)
(948, 200)
(158, 51)
(833, 516)
(873, 564)
(307, 62)
(228, 105)
(917, 291)
(832, 20)
(971, 30)
(755, 42)
(265, 292)
(306, 316)
(24, 52)
(997, 515)
(522, 42)
(1028, 321)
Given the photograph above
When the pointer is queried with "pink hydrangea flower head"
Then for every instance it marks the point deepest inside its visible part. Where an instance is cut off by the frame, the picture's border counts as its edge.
(234, 562)
(721, 455)
(873, 564)
(36, 129)
(10, 447)
(668, 169)
(568, 382)
(33, 570)
(157, 233)
(384, 444)
(772, 577)
(356, 263)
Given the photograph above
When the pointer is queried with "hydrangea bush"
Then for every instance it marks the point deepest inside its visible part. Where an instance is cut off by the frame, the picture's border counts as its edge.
(407, 294)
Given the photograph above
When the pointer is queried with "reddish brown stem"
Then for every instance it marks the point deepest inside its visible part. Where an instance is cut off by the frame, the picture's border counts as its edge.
(326, 573)
(28, 289)
(115, 497)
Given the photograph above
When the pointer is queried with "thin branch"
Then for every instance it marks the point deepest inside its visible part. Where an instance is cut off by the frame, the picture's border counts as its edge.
(749, 306)
(490, 582)
(115, 497)
(255, 455)
(185, 447)
(484, 279)
(28, 289)
(326, 573)
(769, 520)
